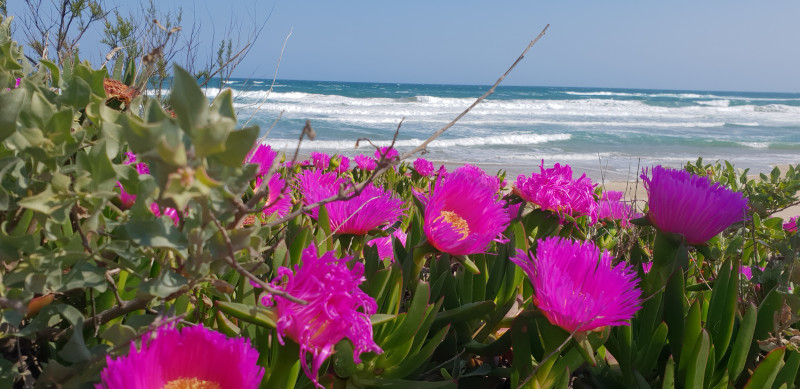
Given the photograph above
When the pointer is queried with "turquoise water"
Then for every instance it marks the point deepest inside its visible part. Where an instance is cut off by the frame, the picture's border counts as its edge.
(592, 129)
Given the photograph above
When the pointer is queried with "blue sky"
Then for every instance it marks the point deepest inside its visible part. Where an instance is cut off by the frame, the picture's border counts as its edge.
(700, 45)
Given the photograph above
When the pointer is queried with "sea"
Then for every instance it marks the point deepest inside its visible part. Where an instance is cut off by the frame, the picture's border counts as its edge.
(607, 133)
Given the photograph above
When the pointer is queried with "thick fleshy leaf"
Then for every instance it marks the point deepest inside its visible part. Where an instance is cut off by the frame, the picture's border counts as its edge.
(697, 361)
(722, 308)
(257, 315)
(766, 371)
(741, 346)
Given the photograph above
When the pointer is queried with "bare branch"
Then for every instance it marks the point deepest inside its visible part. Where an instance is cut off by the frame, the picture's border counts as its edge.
(231, 261)
(274, 77)
(435, 135)
(221, 67)
(382, 163)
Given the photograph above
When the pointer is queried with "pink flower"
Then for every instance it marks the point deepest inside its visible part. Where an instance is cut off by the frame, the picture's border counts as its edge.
(170, 212)
(320, 160)
(746, 271)
(463, 213)
(344, 164)
(476, 173)
(336, 308)
(791, 225)
(693, 206)
(574, 290)
(128, 199)
(647, 266)
(264, 156)
(193, 357)
(372, 208)
(387, 152)
(442, 172)
(275, 202)
(555, 190)
(17, 82)
(365, 163)
(384, 244)
(612, 206)
(423, 167)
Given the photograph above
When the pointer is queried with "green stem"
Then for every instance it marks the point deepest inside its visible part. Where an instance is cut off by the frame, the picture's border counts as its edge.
(284, 367)
(669, 255)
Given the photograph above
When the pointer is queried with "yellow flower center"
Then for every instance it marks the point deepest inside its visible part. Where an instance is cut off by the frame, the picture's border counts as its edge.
(457, 222)
(191, 383)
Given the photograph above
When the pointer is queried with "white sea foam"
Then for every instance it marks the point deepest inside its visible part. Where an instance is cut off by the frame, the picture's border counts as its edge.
(755, 145)
(501, 140)
(715, 103)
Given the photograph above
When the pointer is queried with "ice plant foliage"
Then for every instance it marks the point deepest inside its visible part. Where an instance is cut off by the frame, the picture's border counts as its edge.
(691, 205)
(336, 308)
(577, 288)
(463, 213)
(193, 357)
(554, 189)
(372, 208)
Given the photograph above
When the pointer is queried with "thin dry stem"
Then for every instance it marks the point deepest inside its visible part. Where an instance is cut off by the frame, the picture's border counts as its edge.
(435, 135)
(231, 260)
(274, 77)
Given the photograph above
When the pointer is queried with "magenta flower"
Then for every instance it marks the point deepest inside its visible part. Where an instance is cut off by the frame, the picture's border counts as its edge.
(126, 198)
(365, 163)
(193, 357)
(372, 208)
(442, 172)
(693, 206)
(647, 266)
(387, 152)
(791, 225)
(476, 173)
(169, 212)
(279, 199)
(577, 288)
(463, 213)
(384, 244)
(264, 156)
(336, 308)
(344, 164)
(320, 160)
(612, 206)
(555, 190)
(746, 271)
(423, 167)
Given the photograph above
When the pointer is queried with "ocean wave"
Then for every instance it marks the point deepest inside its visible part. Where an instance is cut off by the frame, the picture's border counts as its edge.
(755, 145)
(633, 94)
(748, 124)
(715, 103)
(500, 140)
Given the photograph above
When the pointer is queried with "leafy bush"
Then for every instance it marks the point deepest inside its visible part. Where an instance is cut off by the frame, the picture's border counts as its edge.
(85, 273)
